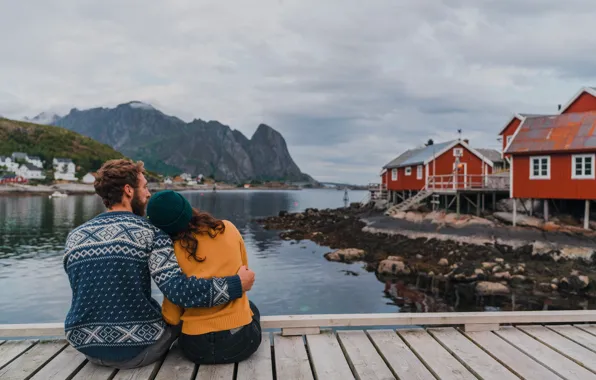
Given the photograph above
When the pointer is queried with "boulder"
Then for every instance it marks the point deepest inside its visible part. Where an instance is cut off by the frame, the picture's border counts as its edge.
(347, 255)
(488, 265)
(443, 262)
(506, 205)
(393, 267)
(502, 276)
(579, 282)
(522, 220)
(485, 288)
(283, 213)
(415, 217)
(499, 260)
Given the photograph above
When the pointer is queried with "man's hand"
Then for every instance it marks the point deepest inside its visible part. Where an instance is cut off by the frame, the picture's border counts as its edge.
(247, 278)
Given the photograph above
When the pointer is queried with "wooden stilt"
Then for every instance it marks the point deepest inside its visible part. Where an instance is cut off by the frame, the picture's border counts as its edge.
(478, 204)
(514, 212)
(494, 201)
(483, 202)
(546, 210)
(531, 206)
(458, 204)
(587, 215)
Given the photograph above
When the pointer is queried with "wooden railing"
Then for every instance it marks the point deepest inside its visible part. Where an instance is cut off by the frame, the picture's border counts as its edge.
(469, 182)
(377, 186)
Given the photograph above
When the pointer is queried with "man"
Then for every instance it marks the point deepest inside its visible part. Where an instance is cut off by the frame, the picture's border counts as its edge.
(110, 260)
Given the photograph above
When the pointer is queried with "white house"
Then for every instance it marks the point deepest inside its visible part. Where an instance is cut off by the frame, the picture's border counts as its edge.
(19, 156)
(8, 163)
(30, 171)
(33, 160)
(167, 181)
(88, 178)
(64, 169)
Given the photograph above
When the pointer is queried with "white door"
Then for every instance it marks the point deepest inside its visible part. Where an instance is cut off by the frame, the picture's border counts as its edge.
(460, 175)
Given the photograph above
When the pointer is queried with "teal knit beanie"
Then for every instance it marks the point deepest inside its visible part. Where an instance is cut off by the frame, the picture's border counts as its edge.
(169, 211)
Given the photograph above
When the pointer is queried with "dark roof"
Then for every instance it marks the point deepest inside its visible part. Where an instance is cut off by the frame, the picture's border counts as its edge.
(64, 160)
(417, 156)
(491, 154)
(32, 167)
(559, 133)
(19, 155)
(34, 158)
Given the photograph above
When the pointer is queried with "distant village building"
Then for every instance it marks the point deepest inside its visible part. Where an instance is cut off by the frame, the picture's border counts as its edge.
(64, 169)
(30, 171)
(88, 178)
(19, 156)
(12, 178)
(8, 163)
(36, 161)
(167, 181)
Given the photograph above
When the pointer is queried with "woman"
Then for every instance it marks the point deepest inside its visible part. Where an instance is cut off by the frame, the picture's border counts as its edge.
(206, 247)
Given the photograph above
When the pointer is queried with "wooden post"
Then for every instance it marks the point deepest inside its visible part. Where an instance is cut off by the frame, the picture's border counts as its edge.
(514, 212)
(531, 206)
(478, 204)
(494, 201)
(587, 215)
(546, 210)
(483, 201)
(458, 203)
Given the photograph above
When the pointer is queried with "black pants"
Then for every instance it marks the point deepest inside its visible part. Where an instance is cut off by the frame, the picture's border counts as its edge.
(223, 347)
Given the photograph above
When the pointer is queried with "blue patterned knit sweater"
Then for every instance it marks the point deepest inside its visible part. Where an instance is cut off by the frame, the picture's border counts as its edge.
(110, 261)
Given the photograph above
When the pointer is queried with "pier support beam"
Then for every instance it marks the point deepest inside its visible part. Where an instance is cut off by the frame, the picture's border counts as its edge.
(514, 212)
(587, 215)
(494, 201)
(478, 204)
(546, 210)
(531, 206)
(458, 204)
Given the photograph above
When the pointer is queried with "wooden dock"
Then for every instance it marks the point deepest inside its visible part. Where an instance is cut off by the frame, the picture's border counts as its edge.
(500, 346)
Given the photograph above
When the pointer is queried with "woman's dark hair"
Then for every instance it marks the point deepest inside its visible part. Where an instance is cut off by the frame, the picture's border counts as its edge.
(200, 223)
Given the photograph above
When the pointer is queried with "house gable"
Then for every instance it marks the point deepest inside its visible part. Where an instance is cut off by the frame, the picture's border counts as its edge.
(583, 101)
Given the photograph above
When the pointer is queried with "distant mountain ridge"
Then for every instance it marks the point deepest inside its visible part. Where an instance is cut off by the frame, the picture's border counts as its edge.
(169, 145)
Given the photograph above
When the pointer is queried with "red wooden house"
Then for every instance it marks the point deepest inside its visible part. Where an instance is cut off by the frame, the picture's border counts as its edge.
(451, 165)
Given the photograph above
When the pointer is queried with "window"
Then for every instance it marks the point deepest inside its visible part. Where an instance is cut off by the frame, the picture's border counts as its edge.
(394, 174)
(458, 152)
(419, 172)
(540, 167)
(409, 170)
(509, 138)
(582, 166)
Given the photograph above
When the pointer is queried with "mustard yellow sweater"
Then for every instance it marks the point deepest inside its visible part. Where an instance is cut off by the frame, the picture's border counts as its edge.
(224, 255)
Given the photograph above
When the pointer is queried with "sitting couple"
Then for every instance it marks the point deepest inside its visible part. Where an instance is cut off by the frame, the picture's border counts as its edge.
(197, 261)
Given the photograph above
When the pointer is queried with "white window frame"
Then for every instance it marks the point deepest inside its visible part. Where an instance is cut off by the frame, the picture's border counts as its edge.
(419, 172)
(408, 170)
(508, 140)
(540, 158)
(394, 174)
(583, 175)
(458, 150)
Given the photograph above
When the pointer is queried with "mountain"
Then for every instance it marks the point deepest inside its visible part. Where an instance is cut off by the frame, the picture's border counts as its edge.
(46, 118)
(49, 142)
(169, 145)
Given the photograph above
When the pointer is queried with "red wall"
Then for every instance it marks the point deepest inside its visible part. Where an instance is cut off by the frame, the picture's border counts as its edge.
(585, 103)
(406, 182)
(509, 131)
(559, 186)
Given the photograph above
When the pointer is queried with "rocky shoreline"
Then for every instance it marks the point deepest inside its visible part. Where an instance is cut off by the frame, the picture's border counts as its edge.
(493, 260)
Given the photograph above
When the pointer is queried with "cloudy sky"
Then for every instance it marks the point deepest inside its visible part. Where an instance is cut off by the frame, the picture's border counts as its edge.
(349, 83)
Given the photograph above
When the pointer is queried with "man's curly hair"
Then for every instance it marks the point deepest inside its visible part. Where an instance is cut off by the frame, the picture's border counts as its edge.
(113, 175)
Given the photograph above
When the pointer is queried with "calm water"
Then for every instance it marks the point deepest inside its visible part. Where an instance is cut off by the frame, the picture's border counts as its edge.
(291, 278)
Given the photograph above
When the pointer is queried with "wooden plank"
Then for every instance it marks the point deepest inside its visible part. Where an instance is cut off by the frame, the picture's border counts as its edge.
(294, 331)
(327, 357)
(402, 360)
(563, 345)
(363, 356)
(291, 359)
(62, 366)
(29, 362)
(590, 329)
(481, 327)
(176, 366)
(577, 335)
(94, 372)
(143, 373)
(378, 319)
(517, 361)
(478, 361)
(259, 365)
(549, 358)
(216, 372)
(436, 358)
(12, 349)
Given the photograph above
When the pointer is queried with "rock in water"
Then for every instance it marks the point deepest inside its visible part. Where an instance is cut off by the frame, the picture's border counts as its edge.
(485, 288)
(347, 255)
(393, 266)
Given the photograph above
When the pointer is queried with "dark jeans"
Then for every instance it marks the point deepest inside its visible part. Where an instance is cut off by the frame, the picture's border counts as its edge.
(149, 355)
(223, 347)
